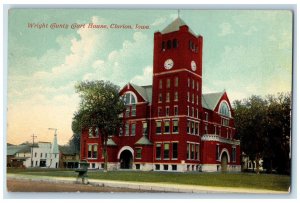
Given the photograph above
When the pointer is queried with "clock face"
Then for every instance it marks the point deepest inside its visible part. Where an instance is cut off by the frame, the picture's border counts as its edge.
(168, 64)
(193, 65)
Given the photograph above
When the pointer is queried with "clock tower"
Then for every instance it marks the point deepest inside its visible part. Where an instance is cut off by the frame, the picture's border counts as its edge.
(177, 69)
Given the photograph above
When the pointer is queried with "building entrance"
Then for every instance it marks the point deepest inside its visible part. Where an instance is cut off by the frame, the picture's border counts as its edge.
(224, 162)
(126, 159)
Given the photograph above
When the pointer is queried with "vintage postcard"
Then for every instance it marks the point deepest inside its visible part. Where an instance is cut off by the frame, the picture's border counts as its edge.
(145, 100)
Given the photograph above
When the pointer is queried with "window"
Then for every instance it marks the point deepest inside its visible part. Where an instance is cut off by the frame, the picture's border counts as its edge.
(188, 126)
(127, 111)
(174, 167)
(129, 98)
(92, 150)
(95, 150)
(133, 110)
(158, 151)
(167, 111)
(137, 166)
(188, 96)
(233, 154)
(175, 96)
(168, 97)
(133, 127)
(197, 113)
(224, 109)
(206, 116)
(97, 132)
(176, 82)
(157, 167)
(193, 98)
(175, 110)
(197, 100)
(168, 83)
(196, 128)
(193, 112)
(197, 152)
(159, 111)
(217, 152)
(159, 97)
(193, 127)
(169, 44)
(166, 167)
(193, 151)
(160, 84)
(206, 129)
(145, 128)
(45, 155)
(121, 131)
(158, 127)
(35, 154)
(175, 43)
(189, 81)
(163, 46)
(166, 150)
(91, 132)
(188, 110)
(138, 153)
(197, 85)
(126, 129)
(174, 150)
(193, 84)
(175, 126)
(41, 155)
(216, 131)
(225, 122)
(188, 151)
(167, 126)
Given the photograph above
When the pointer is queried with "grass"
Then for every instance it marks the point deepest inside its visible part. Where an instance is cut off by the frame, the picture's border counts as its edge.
(242, 180)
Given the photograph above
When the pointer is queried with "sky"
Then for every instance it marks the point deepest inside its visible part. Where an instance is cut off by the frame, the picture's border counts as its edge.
(245, 52)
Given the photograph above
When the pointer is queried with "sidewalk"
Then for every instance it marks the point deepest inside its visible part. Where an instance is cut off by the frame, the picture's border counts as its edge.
(157, 187)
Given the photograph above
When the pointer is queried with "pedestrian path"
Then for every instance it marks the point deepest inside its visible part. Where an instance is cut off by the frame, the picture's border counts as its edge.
(158, 187)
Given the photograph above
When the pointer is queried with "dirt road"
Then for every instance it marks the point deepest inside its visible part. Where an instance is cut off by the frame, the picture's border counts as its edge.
(34, 186)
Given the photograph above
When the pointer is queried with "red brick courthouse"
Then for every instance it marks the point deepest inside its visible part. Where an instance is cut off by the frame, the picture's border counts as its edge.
(171, 125)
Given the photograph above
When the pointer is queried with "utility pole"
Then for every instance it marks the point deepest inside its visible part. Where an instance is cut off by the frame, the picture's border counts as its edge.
(33, 136)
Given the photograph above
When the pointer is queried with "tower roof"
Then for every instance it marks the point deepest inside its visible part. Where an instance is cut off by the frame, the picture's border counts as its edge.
(174, 26)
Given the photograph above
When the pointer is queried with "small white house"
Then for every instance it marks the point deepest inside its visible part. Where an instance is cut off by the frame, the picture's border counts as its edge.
(42, 154)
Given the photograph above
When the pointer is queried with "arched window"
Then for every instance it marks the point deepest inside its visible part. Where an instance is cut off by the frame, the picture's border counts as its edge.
(129, 98)
(175, 43)
(224, 109)
(169, 44)
(163, 45)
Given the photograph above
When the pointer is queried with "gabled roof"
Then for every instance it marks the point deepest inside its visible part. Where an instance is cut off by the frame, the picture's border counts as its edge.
(12, 150)
(143, 141)
(210, 100)
(144, 91)
(67, 150)
(174, 26)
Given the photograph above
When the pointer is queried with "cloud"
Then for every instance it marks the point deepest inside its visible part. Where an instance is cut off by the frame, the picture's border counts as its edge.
(226, 29)
(145, 78)
(251, 30)
(159, 21)
(116, 66)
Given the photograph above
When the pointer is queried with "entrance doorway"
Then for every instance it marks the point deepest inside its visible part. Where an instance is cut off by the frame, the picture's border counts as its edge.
(224, 162)
(126, 159)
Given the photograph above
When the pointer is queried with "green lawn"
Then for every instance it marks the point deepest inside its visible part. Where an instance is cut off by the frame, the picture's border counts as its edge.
(243, 180)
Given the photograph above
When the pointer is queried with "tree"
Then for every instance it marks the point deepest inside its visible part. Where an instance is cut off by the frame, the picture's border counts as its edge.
(249, 121)
(100, 107)
(263, 126)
